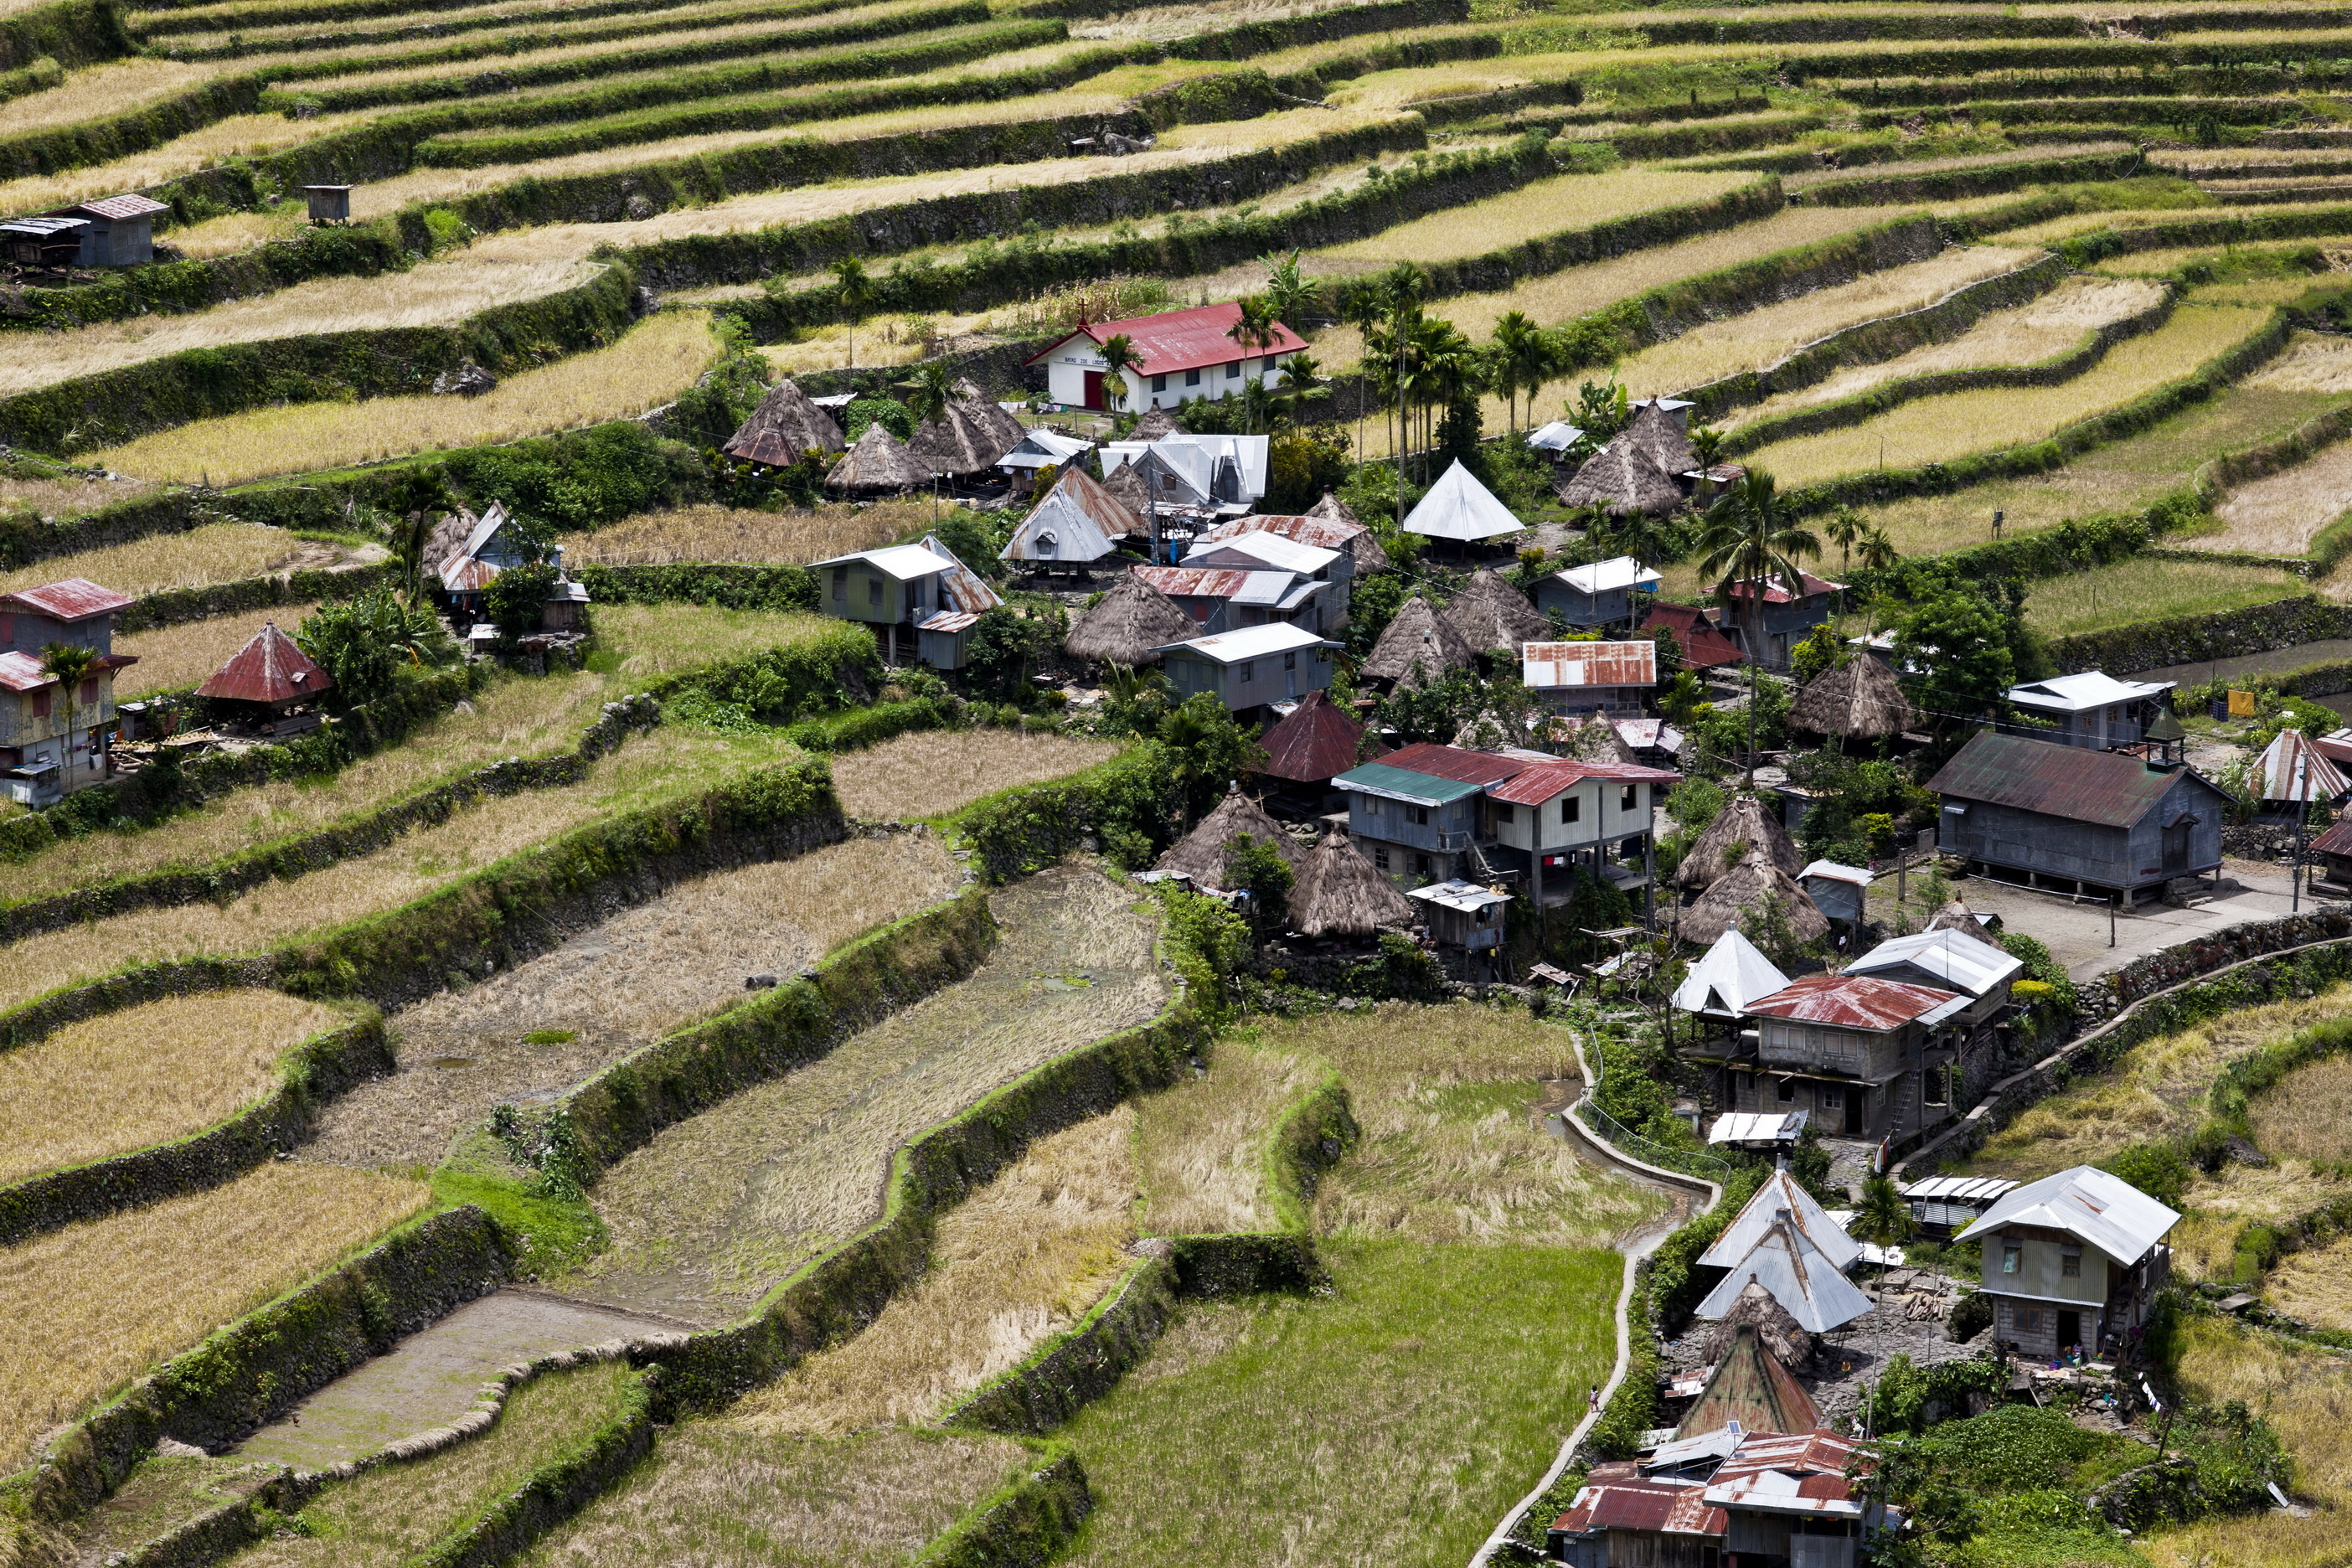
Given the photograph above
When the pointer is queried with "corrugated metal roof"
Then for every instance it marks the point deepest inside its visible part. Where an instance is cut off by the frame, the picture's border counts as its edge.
(2336, 840)
(1457, 894)
(1195, 582)
(2107, 788)
(1958, 960)
(1607, 577)
(1265, 590)
(1556, 664)
(1857, 874)
(1182, 339)
(1779, 1194)
(960, 585)
(22, 672)
(948, 621)
(1732, 975)
(1776, 592)
(133, 205)
(1959, 1189)
(2079, 693)
(1800, 1276)
(1254, 642)
(1391, 783)
(43, 227)
(1266, 547)
(1075, 521)
(1455, 763)
(1322, 532)
(1855, 1002)
(1816, 1453)
(267, 668)
(1671, 1507)
(1540, 781)
(72, 599)
(1458, 507)
(1758, 1126)
(2292, 768)
(1702, 642)
(2103, 1209)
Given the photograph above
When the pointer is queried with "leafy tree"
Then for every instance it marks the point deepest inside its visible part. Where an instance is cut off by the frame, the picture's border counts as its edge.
(1749, 537)
(934, 390)
(68, 664)
(1957, 656)
(421, 495)
(1371, 608)
(1004, 648)
(1204, 751)
(1682, 698)
(2159, 1170)
(363, 643)
(974, 539)
(1256, 868)
(1290, 295)
(1301, 466)
(889, 412)
(1821, 651)
(1521, 357)
(1845, 529)
(1256, 328)
(1884, 1218)
(516, 600)
(852, 291)
(1601, 410)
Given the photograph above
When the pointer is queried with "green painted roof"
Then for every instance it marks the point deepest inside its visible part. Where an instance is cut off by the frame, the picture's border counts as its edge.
(1378, 778)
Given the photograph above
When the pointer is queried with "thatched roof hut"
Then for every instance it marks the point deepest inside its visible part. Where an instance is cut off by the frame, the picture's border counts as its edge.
(1418, 637)
(1623, 478)
(1592, 738)
(1860, 697)
(1003, 428)
(1759, 1311)
(1156, 424)
(1127, 486)
(955, 443)
(785, 425)
(1489, 612)
(1340, 894)
(1751, 1383)
(1317, 742)
(1331, 508)
(1660, 439)
(1957, 916)
(1739, 900)
(1201, 853)
(877, 465)
(1744, 819)
(1129, 625)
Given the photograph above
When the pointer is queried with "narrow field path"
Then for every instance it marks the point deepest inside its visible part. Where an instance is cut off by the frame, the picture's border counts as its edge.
(719, 1209)
(433, 1376)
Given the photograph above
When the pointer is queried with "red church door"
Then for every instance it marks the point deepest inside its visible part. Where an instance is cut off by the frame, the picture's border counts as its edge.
(1094, 389)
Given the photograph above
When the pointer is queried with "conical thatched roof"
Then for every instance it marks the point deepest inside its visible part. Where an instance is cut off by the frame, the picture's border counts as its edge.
(1745, 819)
(1128, 486)
(1418, 635)
(1622, 477)
(1956, 916)
(1751, 1383)
(1490, 613)
(1364, 547)
(954, 444)
(1592, 738)
(1660, 439)
(1129, 623)
(1333, 510)
(1201, 853)
(1739, 899)
(1859, 697)
(1002, 426)
(793, 424)
(876, 464)
(1340, 894)
(1157, 423)
(1488, 732)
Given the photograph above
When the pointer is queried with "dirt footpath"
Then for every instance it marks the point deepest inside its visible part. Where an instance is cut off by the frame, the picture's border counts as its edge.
(527, 1034)
(719, 1209)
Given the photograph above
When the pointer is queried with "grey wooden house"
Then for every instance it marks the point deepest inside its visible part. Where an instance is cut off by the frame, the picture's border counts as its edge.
(1600, 595)
(2077, 1258)
(2093, 710)
(2054, 815)
(1865, 1055)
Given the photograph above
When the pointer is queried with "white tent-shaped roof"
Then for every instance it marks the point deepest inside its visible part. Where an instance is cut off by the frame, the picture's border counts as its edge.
(2295, 769)
(1780, 1195)
(1731, 976)
(1458, 507)
(2103, 1209)
(1810, 1287)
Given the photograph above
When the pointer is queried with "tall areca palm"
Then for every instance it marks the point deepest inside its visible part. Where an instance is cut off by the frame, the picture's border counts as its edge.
(1845, 529)
(1258, 329)
(1290, 295)
(1119, 355)
(1523, 359)
(853, 290)
(1752, 538)
(1876, 550)
(1361, 305)
(934, 390)
(68, 664)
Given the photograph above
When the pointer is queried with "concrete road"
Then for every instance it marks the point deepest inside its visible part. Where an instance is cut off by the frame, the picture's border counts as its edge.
(2077, 933)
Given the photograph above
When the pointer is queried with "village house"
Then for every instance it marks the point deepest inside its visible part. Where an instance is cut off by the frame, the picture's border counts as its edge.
(270, 683)
(1179, 354)
(470, 552)
(1864, 1055)
(1458, 510)
(1209, 473)
(1699, 644)
(2092, 709)
(1600, 595)
(1254, 667)
(1314, 744)
(1774, 1501)
(1591, 676)
(1948, 961)
(1364, 551)
(1780, 619)
(2077, 820)
(1038, 451)
(1942, 1204)
(917, 594)
(1228, 598)
(116, 231)
(1259, 550)
(1464, 916)
(2073, 1260)
(1077, 523)
(53, 740)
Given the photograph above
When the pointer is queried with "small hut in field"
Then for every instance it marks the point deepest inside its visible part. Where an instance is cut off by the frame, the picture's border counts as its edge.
(1129, 625)
(1418, 639)
(1744, 820)
(876, 466)
(1660, 439)
(1489, 614)
(1201, 853)
(1338, 893)
(1859, 698)
(1622, 477)
(786, 426)
(1314, 744)
(1740, 898)
(270, 675)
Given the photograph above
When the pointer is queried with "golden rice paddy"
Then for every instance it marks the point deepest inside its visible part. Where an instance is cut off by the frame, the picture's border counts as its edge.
(146, 1075)
(216, 552)
(739, 534)
(931, 773)
(1546, 207)
(85, 1308)
(2280, 513)
(1203, 1148)
(651, 364)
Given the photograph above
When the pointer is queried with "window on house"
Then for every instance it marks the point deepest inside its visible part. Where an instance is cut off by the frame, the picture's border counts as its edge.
(2070, 1263)
(1380, 859)
(1421, 866)
(841, 581)
(2013, 1258)
(1249, 672)
(2029, 1320)
(1417, 815)
(1572, 810)
(1935, 1086)
(1159, 383)
(1625, 798)
(1291, 661)
(1233, 371)
(1833, 1096)
(1191, 378)
(1788, 1089)
(89, 690)
(40, 704)
(874, 590)
(1502, 812)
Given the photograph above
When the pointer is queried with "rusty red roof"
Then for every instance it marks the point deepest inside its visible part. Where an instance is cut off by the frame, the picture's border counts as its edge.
(1569, 664)
(1458, 763)
(133, 205)
(1703, 643)
(1322, 532)
(1184, 340)
(1671, 1507)
(1316, 741)
(1194, 582)
(22, 672)
(1813, 1453)
(2111, 789)
(1776, 592)
(1852, 1002)
(1541, 781)
(267, 668)
(2336, 840)
(74, 599)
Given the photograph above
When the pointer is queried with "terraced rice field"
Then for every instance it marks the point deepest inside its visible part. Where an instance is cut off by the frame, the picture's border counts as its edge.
(927, 775)
(216, 552)
(717, 1210)
(1201, 1147)
(2281, 513)
(1548, 206)
(742, 534)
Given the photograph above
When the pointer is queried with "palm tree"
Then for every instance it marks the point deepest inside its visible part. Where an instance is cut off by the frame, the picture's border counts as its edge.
(1752, 538)
(1706, 447)
(1845, 529)
(853, 290)
(68, 664)
(1360, 307)
(1301, 383)
(934, 390)
(414, 501)
(1257, 329)
(1884, 1216)
(1522, 353)
(1876, 550)
(1119, 355)
(1291, 297)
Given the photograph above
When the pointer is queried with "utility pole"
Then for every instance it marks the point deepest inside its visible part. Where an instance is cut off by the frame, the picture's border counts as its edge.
(2302, 813)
